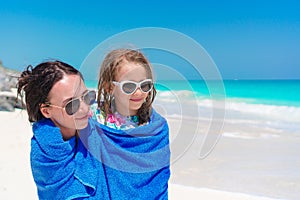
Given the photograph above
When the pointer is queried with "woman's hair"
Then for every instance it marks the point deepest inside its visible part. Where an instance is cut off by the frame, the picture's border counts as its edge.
(36, 83)
(108, 71)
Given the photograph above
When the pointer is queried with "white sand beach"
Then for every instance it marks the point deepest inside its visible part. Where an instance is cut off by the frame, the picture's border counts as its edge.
(219, 176)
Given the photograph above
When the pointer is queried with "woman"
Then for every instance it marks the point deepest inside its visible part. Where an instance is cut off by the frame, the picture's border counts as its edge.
(57, 103)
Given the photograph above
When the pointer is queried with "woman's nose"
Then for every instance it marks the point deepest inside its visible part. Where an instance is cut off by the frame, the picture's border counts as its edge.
(83, 106)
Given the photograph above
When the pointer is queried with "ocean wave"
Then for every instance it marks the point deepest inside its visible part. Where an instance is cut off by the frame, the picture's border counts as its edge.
(275, 112)
(185, 104)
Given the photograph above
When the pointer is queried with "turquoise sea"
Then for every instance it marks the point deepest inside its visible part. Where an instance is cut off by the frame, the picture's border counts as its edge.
(272, 92)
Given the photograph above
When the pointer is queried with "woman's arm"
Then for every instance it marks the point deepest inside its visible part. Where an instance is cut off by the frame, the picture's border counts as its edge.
(55, 164)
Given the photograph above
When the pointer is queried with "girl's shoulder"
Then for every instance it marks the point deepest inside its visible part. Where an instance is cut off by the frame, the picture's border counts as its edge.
(97, 114)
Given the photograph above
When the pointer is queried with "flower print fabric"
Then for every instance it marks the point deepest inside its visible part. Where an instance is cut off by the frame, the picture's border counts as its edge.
(115, 120)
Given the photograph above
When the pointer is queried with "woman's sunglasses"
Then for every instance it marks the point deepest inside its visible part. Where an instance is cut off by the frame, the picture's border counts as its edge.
(73, 105)
(129, 87)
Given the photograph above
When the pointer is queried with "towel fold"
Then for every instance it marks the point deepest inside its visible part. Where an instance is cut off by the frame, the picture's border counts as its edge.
(63, 169)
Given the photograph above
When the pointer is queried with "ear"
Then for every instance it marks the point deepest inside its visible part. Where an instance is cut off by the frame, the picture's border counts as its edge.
(45, 110)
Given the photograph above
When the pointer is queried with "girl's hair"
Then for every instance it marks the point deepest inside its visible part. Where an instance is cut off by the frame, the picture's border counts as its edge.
(108, 71)
(36, 83)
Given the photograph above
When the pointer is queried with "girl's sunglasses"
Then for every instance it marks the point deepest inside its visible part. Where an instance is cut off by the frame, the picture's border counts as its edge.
(129, 87)
(73, 105)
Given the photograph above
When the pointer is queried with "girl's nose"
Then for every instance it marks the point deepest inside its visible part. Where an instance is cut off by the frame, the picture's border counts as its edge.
(137, 91)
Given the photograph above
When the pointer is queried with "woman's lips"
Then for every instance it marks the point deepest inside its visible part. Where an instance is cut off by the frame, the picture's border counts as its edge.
(83, 117)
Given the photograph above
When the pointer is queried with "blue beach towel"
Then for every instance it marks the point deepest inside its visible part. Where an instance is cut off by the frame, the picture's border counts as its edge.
(103, 163)
(136, 162)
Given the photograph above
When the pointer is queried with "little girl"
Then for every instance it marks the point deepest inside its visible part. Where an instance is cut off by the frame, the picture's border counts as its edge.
(125, 89)
(131, 138)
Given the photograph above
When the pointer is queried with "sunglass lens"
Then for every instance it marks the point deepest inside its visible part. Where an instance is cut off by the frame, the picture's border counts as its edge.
(146, 86)
(128, 88)
(90, 97)
(72, 107)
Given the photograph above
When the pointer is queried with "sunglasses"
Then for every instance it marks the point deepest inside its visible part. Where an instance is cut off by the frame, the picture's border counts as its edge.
(73, 105)
(129, 87)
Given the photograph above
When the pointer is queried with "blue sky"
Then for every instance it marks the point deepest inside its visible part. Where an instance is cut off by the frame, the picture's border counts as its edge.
(246, 39)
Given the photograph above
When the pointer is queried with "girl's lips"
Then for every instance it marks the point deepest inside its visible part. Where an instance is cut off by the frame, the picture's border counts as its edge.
(139, 99)
(136, 100)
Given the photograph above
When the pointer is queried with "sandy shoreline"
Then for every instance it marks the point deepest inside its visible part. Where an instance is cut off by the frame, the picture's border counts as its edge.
(16, 181)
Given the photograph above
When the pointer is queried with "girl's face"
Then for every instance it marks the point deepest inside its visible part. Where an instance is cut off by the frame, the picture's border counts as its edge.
(128, 105)
(68, 88)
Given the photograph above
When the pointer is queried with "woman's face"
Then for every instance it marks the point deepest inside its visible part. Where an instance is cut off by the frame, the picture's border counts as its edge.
(129, 104)
(68, 88)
